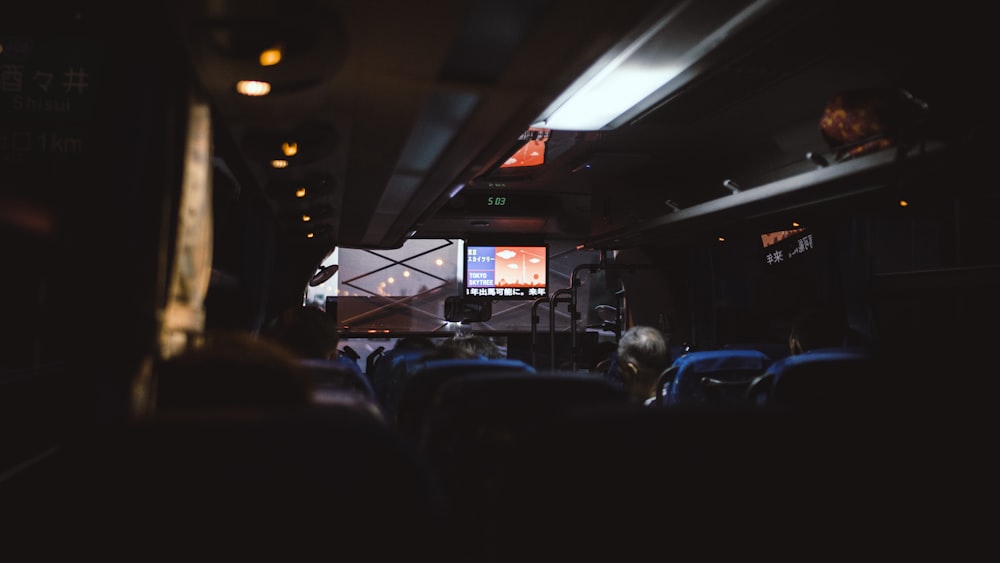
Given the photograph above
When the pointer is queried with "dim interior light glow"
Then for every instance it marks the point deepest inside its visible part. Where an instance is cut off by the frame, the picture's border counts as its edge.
(608, 95)
(633, 79)
(306, 218)
(271, 57)
(301, 192)
(278, 163)
(903, 203)
(310, 235)
(289, 148)
(253, 88)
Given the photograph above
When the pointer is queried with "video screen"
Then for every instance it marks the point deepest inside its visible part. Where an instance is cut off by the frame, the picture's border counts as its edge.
(506, 272)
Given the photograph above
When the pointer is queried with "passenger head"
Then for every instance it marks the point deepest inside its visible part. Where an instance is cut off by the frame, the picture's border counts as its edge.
(817, 327)
(643, 353)
(476, 343)
(233, 369)
(452, 349)
(414, 343)
(308, 331)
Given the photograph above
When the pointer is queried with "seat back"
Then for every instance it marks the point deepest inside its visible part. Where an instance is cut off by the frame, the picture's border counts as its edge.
(418, 391)
(699, 481)
(334, 374)
(502, 403)
(476, 427)
(244, 485)
(390, 369)
(475, 420)
(827, 377)
(711, 376)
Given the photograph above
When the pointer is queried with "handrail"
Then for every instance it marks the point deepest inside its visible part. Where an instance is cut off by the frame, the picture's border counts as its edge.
(559, 297)
(555, 300)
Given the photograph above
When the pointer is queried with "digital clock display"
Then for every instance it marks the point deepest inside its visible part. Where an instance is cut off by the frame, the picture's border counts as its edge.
(496, 203)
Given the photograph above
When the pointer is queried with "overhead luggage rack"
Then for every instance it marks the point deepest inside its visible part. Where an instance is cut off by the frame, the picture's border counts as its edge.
(837, 181)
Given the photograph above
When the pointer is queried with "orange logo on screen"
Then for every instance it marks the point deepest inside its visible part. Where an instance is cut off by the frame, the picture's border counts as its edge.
(520, 266)
(767, 239)
(532, 153)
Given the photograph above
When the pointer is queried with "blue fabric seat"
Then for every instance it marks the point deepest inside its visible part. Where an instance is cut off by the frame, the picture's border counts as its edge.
(711, 376)
(390, 369)
(338, 374)
(418, 391)
(821, 377)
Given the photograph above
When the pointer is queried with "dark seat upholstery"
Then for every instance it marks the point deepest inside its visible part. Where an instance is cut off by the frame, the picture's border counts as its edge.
(390, 370)
(827, 377)
(700, 482)
(711, 376)
(333, 374)
(418, 391)
(295, 485)
(477, 425)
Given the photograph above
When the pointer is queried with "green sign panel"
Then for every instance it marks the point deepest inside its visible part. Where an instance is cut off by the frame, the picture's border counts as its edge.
(48, 79)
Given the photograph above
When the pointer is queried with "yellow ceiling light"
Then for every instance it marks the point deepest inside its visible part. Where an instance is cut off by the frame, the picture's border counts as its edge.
(300, 193)
(279, 163)
(253, 88)
(289, 148)
(272, 56)
(306, 218)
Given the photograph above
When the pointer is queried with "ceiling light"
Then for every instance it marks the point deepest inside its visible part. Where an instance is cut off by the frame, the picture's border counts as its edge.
(253, 88)
(640, 71)
(271, 57)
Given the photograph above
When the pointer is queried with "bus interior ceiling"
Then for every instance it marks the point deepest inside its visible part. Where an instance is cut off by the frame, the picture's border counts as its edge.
(137, 187)
(402, 114)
